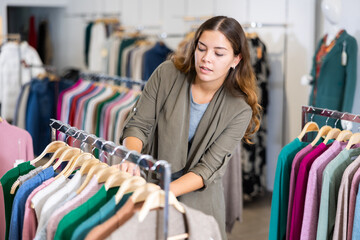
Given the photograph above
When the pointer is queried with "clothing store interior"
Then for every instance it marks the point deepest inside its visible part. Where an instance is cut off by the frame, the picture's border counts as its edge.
(75, 77)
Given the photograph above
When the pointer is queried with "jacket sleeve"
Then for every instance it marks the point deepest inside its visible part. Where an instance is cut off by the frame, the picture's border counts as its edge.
(350, 81)
(141, 118)
(212, 164)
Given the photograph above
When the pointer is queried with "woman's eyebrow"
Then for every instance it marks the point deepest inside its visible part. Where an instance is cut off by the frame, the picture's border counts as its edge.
(222, 48)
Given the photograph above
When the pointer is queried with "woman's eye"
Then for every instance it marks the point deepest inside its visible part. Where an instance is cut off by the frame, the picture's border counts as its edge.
(201, 49)
(219, 54)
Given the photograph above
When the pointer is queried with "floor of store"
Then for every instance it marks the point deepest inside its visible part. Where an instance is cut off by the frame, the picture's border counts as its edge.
(256, 219)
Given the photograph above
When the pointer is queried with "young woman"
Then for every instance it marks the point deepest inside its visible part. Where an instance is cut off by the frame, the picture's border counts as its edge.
(194, 110)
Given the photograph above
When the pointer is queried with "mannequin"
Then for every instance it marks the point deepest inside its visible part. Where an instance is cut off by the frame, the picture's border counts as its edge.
(334, 35)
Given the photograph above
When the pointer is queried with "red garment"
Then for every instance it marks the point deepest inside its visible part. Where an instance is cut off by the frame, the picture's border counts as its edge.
(32, 38)
(74, 103)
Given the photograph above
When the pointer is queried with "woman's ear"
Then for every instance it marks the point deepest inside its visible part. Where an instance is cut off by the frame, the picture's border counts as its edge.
(237, 59)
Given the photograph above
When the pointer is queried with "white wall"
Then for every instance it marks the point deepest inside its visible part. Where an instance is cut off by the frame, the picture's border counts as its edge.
(290, 49)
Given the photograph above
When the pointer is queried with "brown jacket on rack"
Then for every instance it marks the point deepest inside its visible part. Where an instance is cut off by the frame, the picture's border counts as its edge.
(160, 119)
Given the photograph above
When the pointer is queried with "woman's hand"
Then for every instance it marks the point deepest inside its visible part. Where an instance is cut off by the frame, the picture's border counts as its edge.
(129, 167)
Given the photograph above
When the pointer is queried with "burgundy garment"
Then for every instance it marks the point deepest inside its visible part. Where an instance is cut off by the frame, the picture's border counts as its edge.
(300, 190)
(293, 176)
(74, 104)
(32, 38)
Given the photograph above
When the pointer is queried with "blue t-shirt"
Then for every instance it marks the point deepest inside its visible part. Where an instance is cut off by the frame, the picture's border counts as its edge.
(18, 209)
(196, 113)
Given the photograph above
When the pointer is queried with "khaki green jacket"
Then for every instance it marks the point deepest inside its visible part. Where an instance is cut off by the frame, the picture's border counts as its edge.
(160, 119)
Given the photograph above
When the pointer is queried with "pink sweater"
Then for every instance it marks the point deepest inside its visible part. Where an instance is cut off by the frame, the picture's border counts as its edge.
(15, 143)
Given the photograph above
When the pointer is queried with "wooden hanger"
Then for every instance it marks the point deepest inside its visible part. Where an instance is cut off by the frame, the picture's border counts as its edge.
(354, 139)
(322, 132)
(157, 200)
(56, 155)
(87, 166)
(129, 185)
(94, 170)
(50, 148)
(116, 179)
(66, 156)
(79, 161)
(142, 192)
(57, 146)
(309, 127)
(76, 161)
(70, 162)
(344, 136)
(104, 174)
(332, 134)
(1, 120)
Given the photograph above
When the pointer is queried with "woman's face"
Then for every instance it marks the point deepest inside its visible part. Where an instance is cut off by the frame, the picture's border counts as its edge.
(214, 56)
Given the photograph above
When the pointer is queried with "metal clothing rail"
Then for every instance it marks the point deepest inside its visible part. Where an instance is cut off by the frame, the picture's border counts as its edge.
(306, 110)
(146, 162)
(100, 76)
(261, 25)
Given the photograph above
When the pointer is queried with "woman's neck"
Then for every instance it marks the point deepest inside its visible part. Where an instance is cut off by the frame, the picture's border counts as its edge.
(203, 92)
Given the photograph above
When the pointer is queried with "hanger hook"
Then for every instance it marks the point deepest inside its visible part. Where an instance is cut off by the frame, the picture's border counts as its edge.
(116, 148)
(142, 157)
(326, 122)
(127, 156)
(157, 163)
(67, 136)
(102, 150)
(355, 117)
(96, 139)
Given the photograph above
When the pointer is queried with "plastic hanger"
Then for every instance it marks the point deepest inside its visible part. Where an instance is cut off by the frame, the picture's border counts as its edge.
(332, 134)
(129, 185)
(157, 200)
(50, 148)
(93, 170)
(344, 135)
(322, 132)
(354, 139)
(309, 127)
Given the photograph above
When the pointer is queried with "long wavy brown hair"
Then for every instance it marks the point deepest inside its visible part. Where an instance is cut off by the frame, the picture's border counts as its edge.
(241, 80)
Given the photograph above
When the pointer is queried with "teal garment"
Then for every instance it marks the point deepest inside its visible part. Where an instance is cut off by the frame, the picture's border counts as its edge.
(329, 192)
(280, 196)
(6, 182)
(124, 44)
(99, 112)
(104, 213)
(70, 221)
(336, 84)
(122, 108)
(87, 42)
(87, 103)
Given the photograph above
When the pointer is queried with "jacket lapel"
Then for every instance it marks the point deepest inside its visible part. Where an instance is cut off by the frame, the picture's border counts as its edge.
(205, 133)
(336, 50)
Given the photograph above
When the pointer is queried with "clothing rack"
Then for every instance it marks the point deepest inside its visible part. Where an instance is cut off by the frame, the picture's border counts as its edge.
(146, 162)
(100, 76)
(306, 110)
(260, 25)
(11, 36)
